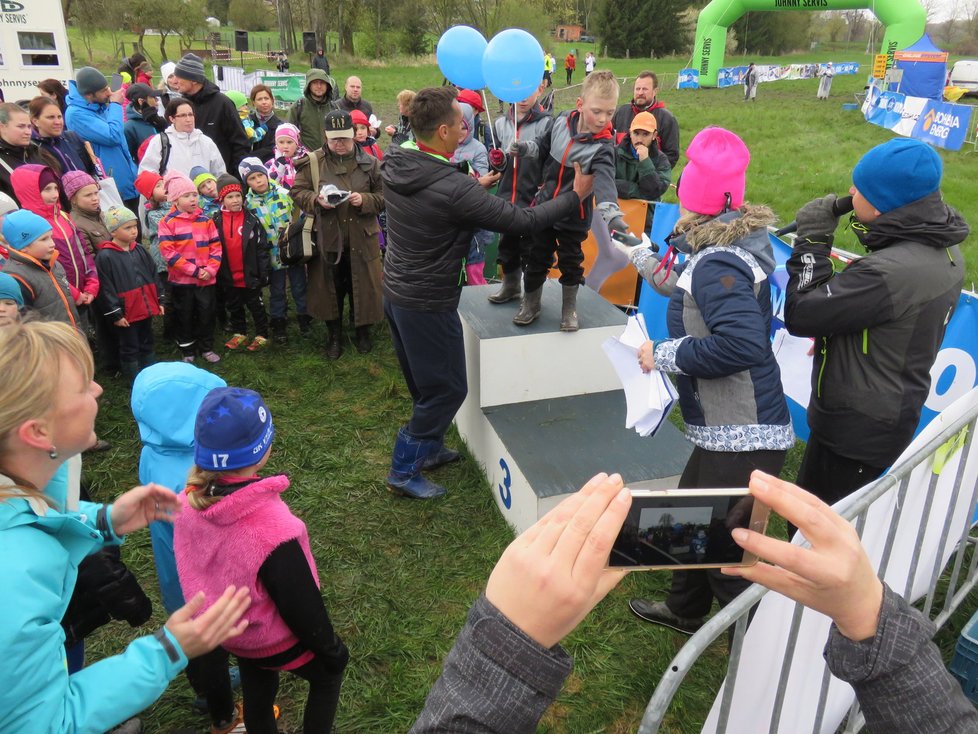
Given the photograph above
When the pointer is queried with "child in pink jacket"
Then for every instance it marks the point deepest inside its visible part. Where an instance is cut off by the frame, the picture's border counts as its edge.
(191, 248)
(236, 529)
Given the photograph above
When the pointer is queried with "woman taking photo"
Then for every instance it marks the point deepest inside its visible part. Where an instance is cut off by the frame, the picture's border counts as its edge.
(45, 420)
(65, 146)
(188, 146)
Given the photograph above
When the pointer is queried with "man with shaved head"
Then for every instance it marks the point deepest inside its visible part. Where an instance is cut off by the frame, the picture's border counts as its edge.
(353, 100)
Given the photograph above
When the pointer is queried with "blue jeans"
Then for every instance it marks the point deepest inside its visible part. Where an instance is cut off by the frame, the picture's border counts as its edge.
(296, 275)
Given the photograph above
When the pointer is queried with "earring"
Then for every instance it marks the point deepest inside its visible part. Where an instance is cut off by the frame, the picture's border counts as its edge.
(53, 452)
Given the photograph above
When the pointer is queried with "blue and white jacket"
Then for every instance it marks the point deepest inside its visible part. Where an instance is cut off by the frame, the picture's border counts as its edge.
(719, 320)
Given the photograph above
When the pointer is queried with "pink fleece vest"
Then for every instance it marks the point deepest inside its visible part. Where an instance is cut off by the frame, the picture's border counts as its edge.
(227, 543)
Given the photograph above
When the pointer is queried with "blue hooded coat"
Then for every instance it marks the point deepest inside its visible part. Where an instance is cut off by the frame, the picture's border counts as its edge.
(165, 399)
(102, 126)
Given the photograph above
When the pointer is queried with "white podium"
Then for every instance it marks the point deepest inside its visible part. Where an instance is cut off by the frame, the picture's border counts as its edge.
(545, 411)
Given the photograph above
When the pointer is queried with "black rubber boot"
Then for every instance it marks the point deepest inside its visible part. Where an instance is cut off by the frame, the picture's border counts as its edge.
(568, 310)
(364, 341)
(279, 332)
(305, 324)
(510, 289)
(334, 341)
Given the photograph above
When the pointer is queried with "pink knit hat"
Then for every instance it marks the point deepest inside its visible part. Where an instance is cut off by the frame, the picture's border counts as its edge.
(287, 130)
(714, 178)
(74, 181)
(176, 185)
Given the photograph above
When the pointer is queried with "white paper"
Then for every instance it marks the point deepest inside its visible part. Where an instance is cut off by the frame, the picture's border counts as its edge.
(793, 354)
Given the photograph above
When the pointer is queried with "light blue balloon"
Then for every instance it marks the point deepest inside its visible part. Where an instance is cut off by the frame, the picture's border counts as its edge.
(459, 52)
(512, 65)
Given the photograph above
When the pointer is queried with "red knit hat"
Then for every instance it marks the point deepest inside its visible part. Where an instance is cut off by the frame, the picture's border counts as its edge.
(473, 99)
(359, 118)
(146, 182)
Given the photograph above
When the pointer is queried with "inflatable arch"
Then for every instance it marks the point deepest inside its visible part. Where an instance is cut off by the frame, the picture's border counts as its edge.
(904, 20)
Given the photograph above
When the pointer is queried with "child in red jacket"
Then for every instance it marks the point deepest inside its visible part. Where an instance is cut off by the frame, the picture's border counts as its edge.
(192, 251)
(128, 299)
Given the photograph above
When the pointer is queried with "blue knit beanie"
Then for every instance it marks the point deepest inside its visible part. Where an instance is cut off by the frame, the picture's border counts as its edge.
(233, 429)
(21, 228)
(10, 290)
(897, 172)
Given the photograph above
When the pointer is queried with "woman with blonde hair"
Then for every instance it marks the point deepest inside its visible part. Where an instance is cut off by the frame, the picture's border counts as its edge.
(48, 404)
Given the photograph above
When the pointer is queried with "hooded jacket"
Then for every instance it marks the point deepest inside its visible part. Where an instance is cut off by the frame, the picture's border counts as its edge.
(638, 179)
(44, 287)
(186, 151)
(138, 127)
(216, 116)
(12, 156)
(308, 114)
(535, 126)
(189, 244)
(471, 150)
(165, 398)
(102, 126)
(668, 127)
(595, 152)
(719, 346)
(878, 325)
(128, 280)
(36, 693)
(73, 255)
(433, 209)
(252, 244)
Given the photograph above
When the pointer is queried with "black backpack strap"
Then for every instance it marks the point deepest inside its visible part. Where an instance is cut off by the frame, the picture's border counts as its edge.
(164, 152)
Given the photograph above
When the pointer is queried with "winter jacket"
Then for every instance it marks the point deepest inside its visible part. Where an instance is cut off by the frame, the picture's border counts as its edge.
(668, 133)
(433, 209)
(252, 246)
(217, 117)
(44, 287)
(189, 244)
(68, 149)
(638, 179)
(878, 325)
(128, 279)
(274, 210)
(534, 126)
(361, 104)
(719, 346)
(154, 215)
(90, 228)
(140, 126)
(102, 126)
(43, 548)
(12, 156)
(281, 170)
(186, 151)
(308, 114)
(346, 230)
(210, 207)
(227, 544)
(74, 256)
(558, 153)
(265, 148)
(470, 150)
(496, 680)
(319, 61)
(164, 401)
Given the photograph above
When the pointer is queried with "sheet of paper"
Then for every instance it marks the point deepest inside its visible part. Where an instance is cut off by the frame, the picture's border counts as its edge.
(794, 359)
(635, 333)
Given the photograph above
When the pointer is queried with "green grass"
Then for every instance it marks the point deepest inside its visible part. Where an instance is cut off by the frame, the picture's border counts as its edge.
(398, 576)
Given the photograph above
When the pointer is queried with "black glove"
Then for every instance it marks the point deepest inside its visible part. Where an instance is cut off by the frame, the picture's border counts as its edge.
(817, 220)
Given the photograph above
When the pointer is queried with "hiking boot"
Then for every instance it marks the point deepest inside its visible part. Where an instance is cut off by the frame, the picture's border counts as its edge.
(510, 290)
(405, 476)
(259, 342)
(212, 357)
(334, 339)
(364, 342)
(236, 341)
(529, 307)
(279, 331)
(568, 309)
(305, 324)
(657, 612)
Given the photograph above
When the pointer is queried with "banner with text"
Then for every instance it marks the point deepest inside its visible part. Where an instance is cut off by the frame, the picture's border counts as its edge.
(941, 124)
(733, 75)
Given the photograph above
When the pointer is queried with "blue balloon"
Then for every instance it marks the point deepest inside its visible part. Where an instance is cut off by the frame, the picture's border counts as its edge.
(459, 53)
(512, 65)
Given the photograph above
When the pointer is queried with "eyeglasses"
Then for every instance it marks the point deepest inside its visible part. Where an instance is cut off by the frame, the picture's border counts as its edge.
(185, 114)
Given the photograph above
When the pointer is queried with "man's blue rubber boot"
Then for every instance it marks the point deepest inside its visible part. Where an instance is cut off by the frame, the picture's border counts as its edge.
(405, 475)
(443, 455)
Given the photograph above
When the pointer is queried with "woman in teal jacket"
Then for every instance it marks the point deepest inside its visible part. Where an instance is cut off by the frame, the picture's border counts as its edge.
(44, 421)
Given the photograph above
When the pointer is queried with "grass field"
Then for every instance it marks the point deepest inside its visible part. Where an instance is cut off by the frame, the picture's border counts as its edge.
(398, 576)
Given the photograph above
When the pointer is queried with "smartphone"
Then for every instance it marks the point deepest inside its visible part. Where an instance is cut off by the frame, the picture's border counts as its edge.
(676, 529)
(115, 84)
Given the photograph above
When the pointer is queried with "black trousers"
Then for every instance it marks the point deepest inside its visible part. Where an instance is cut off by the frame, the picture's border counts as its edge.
(570, 75)
(193, 309)
(514, 252)
(209, 677)
(343, 284)
(259, 686)
(431, 352)
(570, 258)
(135, 341)
(692, 592)
(239, 299)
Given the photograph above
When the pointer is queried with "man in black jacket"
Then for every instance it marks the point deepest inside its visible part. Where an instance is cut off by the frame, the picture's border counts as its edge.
(879, 323)
(432, 210)
(215, 115)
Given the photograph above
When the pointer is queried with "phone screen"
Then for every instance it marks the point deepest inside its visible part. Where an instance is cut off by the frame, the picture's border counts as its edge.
(115, 84)
(687, 529)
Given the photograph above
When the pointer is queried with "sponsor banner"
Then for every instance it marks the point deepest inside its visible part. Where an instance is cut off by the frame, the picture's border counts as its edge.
(883, 108)
(730, 76)
(912, 109)
(943, 125)
(689, 79)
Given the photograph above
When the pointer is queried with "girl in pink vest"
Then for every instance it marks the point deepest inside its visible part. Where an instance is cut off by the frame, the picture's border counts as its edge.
(235, 525)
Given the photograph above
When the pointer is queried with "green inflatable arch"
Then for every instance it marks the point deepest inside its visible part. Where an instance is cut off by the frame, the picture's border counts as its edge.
(904, 20)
